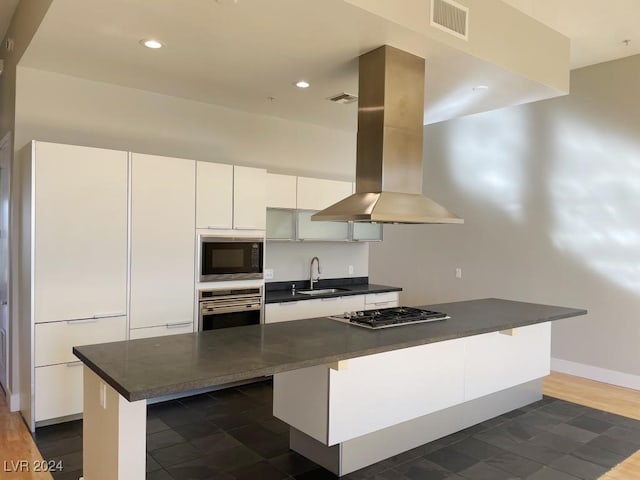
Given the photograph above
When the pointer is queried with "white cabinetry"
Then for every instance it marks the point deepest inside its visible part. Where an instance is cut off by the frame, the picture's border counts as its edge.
(438, 375)
(162, 241)
(318, 307)
(319, 193)
(322, 307)
(281, 191)
(230, 197)
(249, 198)
(74, 268)
(495, 361)
(214, 189)
(381, 300)
(80, 237)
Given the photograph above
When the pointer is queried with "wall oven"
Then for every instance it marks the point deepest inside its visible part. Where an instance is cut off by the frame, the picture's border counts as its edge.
(230, 258)
(229, 307)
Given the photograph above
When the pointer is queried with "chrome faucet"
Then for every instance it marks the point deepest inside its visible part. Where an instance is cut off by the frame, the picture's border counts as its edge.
(311, 280)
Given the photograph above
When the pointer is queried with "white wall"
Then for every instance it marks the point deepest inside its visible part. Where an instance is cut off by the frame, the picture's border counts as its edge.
(290, 260)
(65, 109)
(550, 194)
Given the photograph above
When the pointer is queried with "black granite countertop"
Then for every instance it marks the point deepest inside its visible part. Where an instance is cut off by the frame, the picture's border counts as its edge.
(347, 288)
(152, 367)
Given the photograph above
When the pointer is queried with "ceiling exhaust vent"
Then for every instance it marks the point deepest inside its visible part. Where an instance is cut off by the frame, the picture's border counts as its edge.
(343, 98)
(451, 17)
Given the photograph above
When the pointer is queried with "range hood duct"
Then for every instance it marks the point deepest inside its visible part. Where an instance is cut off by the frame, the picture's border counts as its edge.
(389, 145)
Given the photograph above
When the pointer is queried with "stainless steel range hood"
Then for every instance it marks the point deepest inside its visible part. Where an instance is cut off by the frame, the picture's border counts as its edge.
(389, 145)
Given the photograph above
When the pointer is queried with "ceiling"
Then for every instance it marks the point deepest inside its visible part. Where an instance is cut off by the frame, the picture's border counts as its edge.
(597, 28)
(246, 54)
(7, 7)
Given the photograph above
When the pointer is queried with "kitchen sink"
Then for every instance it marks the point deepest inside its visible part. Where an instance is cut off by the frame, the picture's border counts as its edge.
(322, 291)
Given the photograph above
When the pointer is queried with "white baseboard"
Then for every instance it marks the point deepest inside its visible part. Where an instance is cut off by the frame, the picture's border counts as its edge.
(612, 377)
(13, 400)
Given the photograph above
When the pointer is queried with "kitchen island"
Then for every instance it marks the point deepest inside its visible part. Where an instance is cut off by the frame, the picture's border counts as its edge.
(119, 377)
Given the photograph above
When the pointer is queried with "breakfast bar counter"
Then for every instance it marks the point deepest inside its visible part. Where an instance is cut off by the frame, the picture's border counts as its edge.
(308, 356)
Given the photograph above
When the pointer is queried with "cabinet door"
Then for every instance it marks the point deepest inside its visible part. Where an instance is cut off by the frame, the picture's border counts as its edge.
(321, 231)
(214, 190)
(54, 341)
(162, 240)
(495, 361)
(367, 232)
(249, 198)
(281, 224)
(58, 391)
(318, 193)
(80, 237)
(318, 307)
(281, 191)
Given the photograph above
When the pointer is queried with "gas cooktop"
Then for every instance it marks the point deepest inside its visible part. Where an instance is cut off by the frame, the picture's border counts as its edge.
(390, 317)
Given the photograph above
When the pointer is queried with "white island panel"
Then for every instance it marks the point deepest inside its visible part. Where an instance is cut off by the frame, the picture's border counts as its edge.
(372, 392)
(496, 361)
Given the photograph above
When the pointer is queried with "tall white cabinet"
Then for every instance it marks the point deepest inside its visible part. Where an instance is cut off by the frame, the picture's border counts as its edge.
(163, 196)
(108, 252)
(74, 278)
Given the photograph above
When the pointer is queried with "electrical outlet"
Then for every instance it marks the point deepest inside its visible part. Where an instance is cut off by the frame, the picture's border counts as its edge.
(350, 269)
(458, 273)
(268, 273)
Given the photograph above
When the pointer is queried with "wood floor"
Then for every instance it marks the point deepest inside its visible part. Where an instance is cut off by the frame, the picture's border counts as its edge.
(17, 445)
(19, 456)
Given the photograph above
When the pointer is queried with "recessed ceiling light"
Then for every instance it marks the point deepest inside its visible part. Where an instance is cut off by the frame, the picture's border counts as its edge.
(150, 43)
(302, 84)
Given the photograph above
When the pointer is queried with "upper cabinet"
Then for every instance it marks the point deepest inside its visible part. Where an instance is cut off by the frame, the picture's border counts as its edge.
(230, 197)
(291, 201)
(80, 235)
(249, 198)
(318, 193)
(281, 191)
(214, 190)
(162, 241)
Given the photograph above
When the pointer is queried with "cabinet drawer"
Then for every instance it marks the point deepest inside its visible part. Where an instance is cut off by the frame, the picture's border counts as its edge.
(285, 311)
(58, 391)
(54, 341)
(318, 307)
(379, 298)
(169, 329)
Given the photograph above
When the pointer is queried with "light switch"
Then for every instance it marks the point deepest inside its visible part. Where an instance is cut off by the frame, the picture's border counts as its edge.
(268, 273)
(350, 269)
(458, 273)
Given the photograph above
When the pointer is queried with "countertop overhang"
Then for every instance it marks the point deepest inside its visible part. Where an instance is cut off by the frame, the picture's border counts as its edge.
(152, 367)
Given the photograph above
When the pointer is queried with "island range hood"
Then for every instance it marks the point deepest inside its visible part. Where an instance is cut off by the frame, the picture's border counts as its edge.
(389, 145)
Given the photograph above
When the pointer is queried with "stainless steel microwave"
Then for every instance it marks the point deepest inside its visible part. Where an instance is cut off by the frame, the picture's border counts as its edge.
(230, 258)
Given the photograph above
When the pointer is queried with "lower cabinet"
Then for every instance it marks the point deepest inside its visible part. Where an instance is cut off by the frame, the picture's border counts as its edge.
(318, 307)
(321, 307)
(168, 329)
(58, 391)
(58, 373)
(381, 300)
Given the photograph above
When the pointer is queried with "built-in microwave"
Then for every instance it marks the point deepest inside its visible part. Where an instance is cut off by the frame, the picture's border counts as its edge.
(230, 258)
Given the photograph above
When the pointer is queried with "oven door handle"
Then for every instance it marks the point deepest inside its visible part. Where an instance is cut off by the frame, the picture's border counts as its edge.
(213, 310)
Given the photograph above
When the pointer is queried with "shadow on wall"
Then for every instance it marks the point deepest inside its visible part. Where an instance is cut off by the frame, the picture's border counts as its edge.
(550, 202)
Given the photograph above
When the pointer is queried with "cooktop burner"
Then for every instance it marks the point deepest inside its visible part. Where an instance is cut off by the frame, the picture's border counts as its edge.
(390, 317)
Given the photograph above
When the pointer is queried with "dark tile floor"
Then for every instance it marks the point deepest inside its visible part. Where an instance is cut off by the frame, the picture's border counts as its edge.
(231, 434)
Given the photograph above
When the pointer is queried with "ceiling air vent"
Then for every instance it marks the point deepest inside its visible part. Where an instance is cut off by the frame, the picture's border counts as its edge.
(343, 98)
(451, 17)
